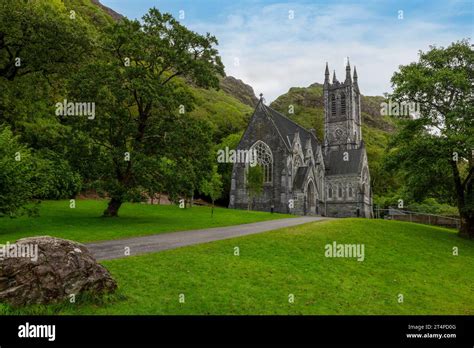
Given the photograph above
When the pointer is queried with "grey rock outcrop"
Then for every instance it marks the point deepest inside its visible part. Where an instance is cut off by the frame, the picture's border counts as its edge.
(42, 270)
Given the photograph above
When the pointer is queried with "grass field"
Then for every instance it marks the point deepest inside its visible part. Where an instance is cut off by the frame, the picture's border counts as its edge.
(85, 224)
(400, 258)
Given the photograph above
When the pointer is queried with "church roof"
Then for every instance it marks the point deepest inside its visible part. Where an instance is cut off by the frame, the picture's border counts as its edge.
(288, 128)
(299, 177)
(335, 164)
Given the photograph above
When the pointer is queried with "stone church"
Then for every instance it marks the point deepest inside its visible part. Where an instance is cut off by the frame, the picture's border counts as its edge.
(301, 173)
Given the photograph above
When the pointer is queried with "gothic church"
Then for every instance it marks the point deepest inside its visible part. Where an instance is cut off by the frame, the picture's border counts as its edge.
(301, 174)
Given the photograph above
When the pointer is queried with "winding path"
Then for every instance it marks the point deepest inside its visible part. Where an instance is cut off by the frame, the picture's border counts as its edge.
(115, 249)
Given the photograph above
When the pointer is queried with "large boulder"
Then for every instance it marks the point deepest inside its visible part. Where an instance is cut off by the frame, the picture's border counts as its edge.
(42, 270)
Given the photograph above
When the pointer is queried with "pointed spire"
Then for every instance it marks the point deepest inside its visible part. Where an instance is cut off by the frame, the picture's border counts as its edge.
(326, 74)
(334, 79)
(348, 71)
(355, 74)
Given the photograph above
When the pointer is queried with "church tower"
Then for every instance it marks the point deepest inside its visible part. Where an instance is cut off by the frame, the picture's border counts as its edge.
(342, 116)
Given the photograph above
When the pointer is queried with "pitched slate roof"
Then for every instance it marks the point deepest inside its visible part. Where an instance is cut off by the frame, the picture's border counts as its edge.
(335, 164)
(288, 128)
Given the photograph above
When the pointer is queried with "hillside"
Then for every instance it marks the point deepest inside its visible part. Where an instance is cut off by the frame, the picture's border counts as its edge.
(239, 90)
(93, 11)
(224, 108)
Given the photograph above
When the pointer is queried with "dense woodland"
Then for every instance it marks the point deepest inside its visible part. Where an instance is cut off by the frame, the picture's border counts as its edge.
(164, 106)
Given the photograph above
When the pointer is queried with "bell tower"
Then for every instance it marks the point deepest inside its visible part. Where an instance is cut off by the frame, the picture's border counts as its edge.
(342, 116)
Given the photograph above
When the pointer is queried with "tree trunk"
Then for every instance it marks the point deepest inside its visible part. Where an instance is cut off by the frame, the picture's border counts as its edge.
(113, 208)
(467, 226)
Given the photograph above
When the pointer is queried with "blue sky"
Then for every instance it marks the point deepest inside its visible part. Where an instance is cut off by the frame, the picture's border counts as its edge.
(275, 45)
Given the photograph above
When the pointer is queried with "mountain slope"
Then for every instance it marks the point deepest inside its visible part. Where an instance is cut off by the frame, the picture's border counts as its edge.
(239, 90)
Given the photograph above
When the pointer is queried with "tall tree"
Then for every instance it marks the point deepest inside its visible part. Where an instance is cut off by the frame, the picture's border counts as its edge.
(435, 149)
(139, 82)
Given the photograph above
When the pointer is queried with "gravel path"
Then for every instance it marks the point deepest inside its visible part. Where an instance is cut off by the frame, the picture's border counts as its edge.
(115, 249)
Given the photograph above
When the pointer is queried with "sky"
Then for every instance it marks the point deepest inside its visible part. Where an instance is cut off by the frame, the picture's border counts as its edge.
(276, 45)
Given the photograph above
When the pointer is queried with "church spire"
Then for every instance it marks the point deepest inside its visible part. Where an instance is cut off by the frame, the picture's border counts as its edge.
(348, 72)
(355, 74)
(326, 75)
(334, 79)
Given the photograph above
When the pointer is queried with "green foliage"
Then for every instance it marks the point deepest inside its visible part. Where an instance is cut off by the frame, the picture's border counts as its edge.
(254, 183)
(89, 12)
(433, 152)
(225, 169)
(54, 177)
(26, 175)
(139, 97)
(303, 105)
(17, 170)
(431, 206)
(42, 35)
(212, 187)
(225, 114)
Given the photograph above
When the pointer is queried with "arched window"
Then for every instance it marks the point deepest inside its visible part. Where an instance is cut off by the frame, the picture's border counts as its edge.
(264, 159)
(339, 191)
(350, 191)
(343, 104)
(333, 105)
(330, 191)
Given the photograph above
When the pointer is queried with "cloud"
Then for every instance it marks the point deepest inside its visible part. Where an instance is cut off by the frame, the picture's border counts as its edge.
(267, 49)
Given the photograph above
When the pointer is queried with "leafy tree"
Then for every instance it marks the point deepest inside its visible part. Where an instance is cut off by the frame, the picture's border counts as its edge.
(212, 187)
(254, 183)
(434, 150)
(54, 177)
(26, 175)
(40, 44)
(39, 36)
(17, 170)
(134, 87)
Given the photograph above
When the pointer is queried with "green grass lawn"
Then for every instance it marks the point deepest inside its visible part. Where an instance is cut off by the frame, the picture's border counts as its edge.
(85, 224)
(400, 258)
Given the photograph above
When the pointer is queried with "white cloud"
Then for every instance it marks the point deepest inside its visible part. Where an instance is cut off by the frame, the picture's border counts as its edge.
(276, 53)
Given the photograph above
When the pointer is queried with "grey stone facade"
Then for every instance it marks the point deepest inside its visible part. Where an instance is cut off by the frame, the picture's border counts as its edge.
(301, 174)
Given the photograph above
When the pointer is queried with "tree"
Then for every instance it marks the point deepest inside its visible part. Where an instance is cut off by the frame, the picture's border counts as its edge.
(254, 183)
(39, 37)
(212, 187)
(139, 82)
(16, 173)
(435, 149)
